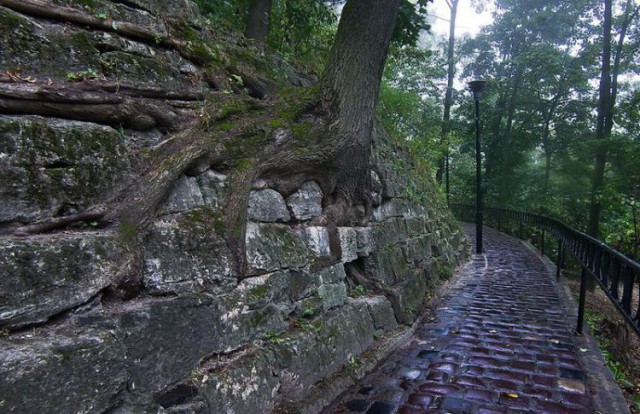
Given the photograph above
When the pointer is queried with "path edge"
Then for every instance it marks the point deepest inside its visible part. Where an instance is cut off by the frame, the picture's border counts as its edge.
(606, 394)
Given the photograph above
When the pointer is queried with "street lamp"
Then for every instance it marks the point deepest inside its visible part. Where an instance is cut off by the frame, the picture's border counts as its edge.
(477, 86)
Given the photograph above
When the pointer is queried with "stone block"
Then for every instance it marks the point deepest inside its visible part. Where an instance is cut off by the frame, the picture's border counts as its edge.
(365, 241)
(267, 206)
(271, 247)
(70, 373)
(166, 338)
(51, 167)
(332, 295)
(260, 291)
(45, 275)
(187, 254)
(315, 355)
(348, 243)
(248, 385)
(332, 274)
(316, 239)
(395, 207)
(408, 297)
(381, 312)
(306, 203)
(303, 284)
(184, 196)
(213, 188)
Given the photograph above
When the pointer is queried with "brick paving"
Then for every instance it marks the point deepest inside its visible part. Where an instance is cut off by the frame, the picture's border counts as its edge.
(500, 343)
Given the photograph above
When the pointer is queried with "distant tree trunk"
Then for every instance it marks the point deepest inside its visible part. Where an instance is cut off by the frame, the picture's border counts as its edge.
(507, 150)
(258, 20)
(547, 147)
(608, 91)
(448, 97)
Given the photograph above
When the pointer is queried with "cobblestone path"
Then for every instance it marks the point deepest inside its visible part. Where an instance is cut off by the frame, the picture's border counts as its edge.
(501, 343)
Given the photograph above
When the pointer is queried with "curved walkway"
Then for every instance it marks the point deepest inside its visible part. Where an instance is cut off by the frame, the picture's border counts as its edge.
(501, 343)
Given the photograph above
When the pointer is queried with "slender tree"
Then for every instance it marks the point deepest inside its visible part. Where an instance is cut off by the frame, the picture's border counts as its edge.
(258, 20)
(443, 166)
(607, 94)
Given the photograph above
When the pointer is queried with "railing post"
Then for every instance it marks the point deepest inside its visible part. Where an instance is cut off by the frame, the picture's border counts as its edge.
(520, 229)
(559, 258)
(581, 300)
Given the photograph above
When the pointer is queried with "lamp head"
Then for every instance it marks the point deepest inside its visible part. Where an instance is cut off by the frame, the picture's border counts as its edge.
(477, 86)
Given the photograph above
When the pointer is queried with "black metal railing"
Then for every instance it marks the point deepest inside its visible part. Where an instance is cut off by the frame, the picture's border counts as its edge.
(613, 271)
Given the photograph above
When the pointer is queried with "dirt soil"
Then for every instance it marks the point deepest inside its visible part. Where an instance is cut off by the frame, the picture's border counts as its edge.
(619, 343)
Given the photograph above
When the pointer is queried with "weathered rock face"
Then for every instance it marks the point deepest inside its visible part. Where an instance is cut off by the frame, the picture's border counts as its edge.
(312, 306)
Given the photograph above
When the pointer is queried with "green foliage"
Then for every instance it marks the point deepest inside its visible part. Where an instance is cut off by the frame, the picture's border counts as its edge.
(617, 368)
(82, 75)
(230, 15)
(411, 20)
(409, 104)
(274, 338)
(303, 30)
(308, 313)
(357, 291)
(353, 362)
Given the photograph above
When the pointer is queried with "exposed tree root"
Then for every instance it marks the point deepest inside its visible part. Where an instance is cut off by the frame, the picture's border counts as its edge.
(68, 102)
(48, 10)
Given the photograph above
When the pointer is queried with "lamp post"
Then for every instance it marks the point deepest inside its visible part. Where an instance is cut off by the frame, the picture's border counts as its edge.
(477, 86)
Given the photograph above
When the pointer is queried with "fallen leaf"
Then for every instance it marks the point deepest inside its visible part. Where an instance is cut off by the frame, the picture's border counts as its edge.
(512, 395)
(583, 349)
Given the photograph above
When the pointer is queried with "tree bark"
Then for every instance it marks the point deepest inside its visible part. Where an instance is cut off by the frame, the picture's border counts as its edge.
(350, 87)
(258, 20)
(604, 112)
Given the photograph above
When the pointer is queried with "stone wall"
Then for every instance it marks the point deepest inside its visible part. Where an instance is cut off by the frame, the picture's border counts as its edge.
(316, 308)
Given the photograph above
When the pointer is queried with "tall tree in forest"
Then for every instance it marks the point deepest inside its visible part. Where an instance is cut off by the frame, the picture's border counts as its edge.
(607, 94)
(443, 166)
(258, 20)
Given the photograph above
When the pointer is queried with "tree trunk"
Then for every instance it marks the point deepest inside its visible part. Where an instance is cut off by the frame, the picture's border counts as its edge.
(604, 112)
(350, 88)
(443, 166)
(507, 150)
(258, 20)
(548, 116)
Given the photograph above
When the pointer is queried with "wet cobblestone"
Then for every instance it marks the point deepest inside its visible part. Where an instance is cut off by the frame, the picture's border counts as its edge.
(501, 343)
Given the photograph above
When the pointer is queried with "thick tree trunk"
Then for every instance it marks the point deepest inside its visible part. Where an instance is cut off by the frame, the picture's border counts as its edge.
(258, 20)
(350, 88)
